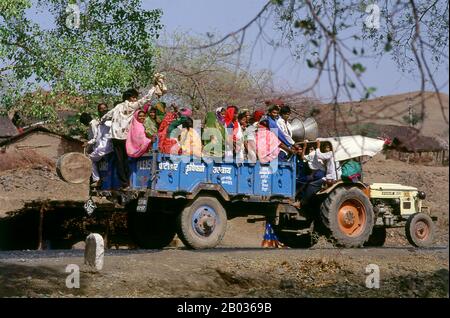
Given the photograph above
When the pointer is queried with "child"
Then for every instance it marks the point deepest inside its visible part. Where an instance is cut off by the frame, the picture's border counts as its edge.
(315, 165)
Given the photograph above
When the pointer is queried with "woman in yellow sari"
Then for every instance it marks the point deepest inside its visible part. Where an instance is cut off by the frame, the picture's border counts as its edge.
(189, 140)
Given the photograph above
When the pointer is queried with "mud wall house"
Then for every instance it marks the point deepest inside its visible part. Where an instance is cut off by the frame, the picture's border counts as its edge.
(410, 146)
(7, 128)
(41, 141)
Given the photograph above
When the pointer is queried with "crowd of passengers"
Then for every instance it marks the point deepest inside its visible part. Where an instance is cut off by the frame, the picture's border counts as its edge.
(132, 127)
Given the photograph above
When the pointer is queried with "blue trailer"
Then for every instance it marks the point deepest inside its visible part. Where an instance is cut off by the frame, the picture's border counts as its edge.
(194, 198)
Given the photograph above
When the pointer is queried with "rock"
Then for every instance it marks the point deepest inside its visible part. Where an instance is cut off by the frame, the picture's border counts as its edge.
(79, 246)
(287, 284)
(94, 251)
(176, 242)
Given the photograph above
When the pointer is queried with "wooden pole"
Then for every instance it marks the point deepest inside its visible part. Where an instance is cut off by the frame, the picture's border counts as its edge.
(41, 225)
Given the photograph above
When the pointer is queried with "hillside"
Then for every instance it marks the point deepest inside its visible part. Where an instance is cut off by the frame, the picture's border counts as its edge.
(391, 110)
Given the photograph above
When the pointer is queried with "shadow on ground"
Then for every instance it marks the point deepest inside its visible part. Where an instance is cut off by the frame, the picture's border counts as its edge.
(36, 281)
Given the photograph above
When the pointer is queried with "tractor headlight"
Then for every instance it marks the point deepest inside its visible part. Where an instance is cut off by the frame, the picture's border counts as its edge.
(421, 195)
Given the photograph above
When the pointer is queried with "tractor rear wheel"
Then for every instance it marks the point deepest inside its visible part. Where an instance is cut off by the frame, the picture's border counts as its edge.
(348, 216)
(151, 230)
(420, 230)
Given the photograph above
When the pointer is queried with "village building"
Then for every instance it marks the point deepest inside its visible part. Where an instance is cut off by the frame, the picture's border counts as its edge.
(7, 128)
(42, 141)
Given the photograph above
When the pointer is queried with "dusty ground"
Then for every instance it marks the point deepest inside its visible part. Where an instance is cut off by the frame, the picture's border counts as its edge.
(431, 179)
(21, 186)
(39, 182)
(240, 268)
(229, 273)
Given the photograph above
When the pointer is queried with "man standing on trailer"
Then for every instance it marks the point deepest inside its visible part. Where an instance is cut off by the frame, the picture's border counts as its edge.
(121, 116)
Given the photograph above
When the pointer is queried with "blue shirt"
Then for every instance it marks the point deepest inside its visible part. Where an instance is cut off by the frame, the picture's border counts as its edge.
(273, 125)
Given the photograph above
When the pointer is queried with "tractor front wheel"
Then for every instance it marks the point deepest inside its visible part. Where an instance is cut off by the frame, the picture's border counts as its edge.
(420, 230)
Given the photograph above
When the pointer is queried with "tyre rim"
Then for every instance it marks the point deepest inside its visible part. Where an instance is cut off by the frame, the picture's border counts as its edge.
(421, 230)
(352, 217)
(204, 221)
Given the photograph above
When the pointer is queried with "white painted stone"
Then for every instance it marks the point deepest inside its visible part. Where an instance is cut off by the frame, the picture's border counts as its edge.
(94, 251)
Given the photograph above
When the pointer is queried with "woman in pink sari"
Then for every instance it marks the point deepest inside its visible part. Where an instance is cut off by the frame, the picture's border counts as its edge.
(137, 142)
(267, 143)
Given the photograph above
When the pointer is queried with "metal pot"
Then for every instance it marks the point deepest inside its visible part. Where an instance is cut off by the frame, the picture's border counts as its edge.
(302, 130)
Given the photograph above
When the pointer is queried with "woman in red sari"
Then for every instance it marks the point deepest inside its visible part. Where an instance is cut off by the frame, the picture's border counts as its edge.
(165, 143)
(234, 134)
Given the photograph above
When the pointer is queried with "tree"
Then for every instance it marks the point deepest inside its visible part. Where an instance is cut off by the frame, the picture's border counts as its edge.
(212, 76)
(96, 52)
(336, 38)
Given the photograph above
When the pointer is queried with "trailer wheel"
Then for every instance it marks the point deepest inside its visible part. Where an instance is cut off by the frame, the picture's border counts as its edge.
(348, 216)
(151, 230)
(420, 230)
(202, 223)
(378, 237)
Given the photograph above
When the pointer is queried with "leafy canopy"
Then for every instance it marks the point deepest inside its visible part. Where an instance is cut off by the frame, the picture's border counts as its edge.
(96, 49)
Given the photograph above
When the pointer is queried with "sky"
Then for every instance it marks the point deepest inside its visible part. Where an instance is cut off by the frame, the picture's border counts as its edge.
(224, 16)
(197, 17)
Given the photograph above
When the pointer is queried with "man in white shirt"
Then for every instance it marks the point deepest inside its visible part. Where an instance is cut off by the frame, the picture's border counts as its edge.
(316, 166)
(284, 125)
(121, 116)
(327, 157)
(102, 147)
(102, 109)
(284, 130)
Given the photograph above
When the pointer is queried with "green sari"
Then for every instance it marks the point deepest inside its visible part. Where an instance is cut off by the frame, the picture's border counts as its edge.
(214, 131)
(151, 127)
(160, 111)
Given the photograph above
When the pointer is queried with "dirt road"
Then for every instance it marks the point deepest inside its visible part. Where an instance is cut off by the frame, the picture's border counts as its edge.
(230, 272)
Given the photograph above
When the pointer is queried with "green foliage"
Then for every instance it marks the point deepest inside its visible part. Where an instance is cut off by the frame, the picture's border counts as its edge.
(368, 92)
(121, 28)
(358, 68)
(110, 50)
(13, 8)
(413, 120)
(307, 25)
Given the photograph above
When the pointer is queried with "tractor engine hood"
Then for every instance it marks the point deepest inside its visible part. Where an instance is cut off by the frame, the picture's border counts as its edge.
(391, 187)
